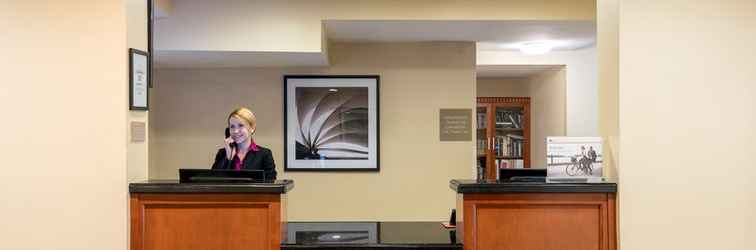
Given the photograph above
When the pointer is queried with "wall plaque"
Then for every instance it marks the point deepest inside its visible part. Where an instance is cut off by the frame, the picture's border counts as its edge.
(455, 124)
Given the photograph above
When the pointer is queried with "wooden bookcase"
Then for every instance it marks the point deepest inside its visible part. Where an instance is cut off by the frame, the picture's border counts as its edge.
(503, 133)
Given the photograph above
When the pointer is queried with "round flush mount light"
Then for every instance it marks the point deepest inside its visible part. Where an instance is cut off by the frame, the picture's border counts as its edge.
(536, 48)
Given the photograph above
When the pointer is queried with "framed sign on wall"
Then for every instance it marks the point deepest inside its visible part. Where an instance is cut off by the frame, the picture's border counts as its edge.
(331, 123)
(139, 78)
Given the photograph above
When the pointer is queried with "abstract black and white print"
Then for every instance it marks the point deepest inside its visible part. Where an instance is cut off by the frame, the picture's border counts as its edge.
(332, 123)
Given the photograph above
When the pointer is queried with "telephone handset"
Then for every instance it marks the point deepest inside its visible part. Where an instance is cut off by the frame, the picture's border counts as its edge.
(228, 134)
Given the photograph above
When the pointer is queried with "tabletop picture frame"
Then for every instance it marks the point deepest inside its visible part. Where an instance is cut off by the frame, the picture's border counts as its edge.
(331, 123)
(139, 79)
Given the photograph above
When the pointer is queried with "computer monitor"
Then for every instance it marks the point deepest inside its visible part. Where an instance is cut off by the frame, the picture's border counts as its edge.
(220, 175)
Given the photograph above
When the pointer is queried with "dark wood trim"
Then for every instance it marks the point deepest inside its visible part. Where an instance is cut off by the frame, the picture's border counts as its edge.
(137, 227)
(496, 187)
(491, 167)
(470, 205)
(491, 103)
(274, 205)
(538, 198)
(206, 198)
(497, 100)
(612, 221)
(526, 132)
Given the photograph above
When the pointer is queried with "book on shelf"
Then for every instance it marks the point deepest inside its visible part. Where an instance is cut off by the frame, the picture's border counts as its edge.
(514, 122)
(481, 146)
(481, 120)
(509, 145)
(514, 136)
(511, 163)
(509, 118)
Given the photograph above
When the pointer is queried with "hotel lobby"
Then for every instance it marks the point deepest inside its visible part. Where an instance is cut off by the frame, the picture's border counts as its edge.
(640, 76)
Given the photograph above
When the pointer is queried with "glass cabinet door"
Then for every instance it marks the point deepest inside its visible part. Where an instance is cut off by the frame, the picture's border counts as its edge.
(482, 122)
(502, 134)
(481, 136)
(509, 136)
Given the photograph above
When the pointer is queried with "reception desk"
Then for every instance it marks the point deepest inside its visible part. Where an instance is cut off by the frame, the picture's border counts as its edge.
(168, 215)
(535, 216)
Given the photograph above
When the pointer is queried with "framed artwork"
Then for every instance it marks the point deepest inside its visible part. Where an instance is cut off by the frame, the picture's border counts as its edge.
(331, 123)
(139, 78)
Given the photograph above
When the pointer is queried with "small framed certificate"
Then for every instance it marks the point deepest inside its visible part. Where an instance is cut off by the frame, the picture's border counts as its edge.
(139, 78)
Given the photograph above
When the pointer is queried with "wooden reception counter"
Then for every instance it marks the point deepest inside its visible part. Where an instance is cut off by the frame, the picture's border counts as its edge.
(168, 215)
(535, 215)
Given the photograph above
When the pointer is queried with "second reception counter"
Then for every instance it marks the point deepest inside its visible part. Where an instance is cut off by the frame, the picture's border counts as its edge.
(495, 215)
(188, 216)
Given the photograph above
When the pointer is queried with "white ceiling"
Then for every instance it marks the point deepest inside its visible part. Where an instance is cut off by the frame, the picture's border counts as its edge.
(491, 35)
(511, 71)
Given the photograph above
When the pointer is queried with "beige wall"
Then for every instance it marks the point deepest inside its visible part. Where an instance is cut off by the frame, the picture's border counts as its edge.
(295, 25)
(607, 35)
(64, 125)
(548, 111)
(495, 87)
(547, 92)
(136, 37)
(581, 76)
(687, 103)
(416, 81)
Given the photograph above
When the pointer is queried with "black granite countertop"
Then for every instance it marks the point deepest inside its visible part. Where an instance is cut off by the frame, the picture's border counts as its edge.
(485, 186)
(173, 186)
(370, 235)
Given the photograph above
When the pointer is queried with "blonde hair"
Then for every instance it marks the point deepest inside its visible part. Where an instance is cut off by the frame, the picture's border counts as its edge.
(245, 115)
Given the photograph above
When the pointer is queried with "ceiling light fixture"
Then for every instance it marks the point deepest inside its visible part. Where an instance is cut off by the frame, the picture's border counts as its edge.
(536, 48)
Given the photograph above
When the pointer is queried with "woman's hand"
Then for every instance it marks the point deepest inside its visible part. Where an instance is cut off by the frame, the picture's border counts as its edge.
(230, 151)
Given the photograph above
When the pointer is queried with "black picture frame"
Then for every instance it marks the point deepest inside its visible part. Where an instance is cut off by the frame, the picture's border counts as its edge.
(150, 20)
(139, 79)
(302, 154)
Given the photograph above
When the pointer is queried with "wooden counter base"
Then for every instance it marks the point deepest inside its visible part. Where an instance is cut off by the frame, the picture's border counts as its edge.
(206, 221)
(537, 221)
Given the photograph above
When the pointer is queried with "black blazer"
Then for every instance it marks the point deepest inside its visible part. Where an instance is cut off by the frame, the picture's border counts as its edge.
(262, 160)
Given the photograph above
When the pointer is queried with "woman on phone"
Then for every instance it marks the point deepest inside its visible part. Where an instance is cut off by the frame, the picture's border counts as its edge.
(240, 151)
